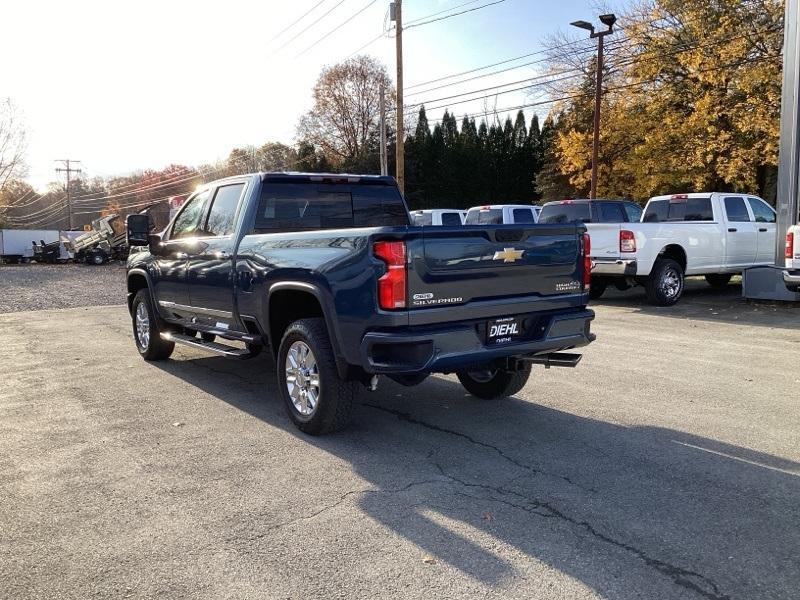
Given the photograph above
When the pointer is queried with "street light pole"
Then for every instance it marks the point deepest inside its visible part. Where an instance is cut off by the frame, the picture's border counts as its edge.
(609, 21)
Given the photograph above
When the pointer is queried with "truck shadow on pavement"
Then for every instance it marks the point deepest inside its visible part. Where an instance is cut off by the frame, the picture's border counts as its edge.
(494, 489)
(704, 303)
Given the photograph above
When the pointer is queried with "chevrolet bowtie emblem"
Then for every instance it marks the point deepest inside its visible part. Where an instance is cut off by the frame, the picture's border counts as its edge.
(508, 255)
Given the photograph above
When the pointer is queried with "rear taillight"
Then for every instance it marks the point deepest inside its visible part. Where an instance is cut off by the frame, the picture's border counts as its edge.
(789, 251)
(587, 261)
(392, 284)
(627, 241)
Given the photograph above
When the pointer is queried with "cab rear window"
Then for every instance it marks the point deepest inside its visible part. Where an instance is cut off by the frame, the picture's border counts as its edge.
(566, 213)
(310, 206)
(485, 216)
(679, 209)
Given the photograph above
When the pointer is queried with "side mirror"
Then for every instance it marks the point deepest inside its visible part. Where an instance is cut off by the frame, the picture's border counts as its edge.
(137, 230)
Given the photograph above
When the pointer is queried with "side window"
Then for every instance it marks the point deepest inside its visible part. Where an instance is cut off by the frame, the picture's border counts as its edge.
(188, 221)
(451, 218)
(223, 210)
(633, 212)
(610, 212)
(735, 210)
(523, 215)
(761, 210)
(294, 207)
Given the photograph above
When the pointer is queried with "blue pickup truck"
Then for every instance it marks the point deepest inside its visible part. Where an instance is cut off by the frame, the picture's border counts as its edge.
(327, 273)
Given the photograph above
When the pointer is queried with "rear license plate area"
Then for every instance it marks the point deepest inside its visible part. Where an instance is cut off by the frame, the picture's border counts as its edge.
(504, 330)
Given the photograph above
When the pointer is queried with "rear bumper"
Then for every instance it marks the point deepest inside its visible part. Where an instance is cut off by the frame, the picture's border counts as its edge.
(614, 266)
(452, 347)
(791, 278)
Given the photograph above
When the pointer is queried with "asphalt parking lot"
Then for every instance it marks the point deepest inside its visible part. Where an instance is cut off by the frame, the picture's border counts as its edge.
(667, 465)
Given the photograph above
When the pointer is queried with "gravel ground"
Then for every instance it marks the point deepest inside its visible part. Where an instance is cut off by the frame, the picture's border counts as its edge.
(41, 287)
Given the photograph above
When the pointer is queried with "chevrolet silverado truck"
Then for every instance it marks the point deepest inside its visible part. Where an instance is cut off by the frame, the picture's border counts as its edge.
(327, 274)
(713, 234)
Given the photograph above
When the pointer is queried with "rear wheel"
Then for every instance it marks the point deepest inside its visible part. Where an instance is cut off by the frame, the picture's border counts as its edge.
(491, 384)
(719, 280)
(664, 286)
(146, 329)
(317, 399)
(596, 290)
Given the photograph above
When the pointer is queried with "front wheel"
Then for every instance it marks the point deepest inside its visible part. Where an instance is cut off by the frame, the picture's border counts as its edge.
(719, 280)
(146, 329)
(317, 399)
(664, 286)
(491, 384)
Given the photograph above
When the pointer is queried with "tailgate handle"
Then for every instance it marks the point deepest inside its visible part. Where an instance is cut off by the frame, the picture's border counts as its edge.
(509, 235)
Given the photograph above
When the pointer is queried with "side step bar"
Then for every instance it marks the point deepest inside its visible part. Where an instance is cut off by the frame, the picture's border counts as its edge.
(556, 359)
(216, 348)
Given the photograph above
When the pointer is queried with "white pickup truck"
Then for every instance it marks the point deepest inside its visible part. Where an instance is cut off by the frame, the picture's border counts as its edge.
(791, 276)
(715, 234)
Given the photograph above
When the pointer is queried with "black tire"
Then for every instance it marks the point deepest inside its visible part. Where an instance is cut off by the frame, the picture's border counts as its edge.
(664, 286)
(207, 337)
(492, 385)
(97, 257)
(155, 348)
(596, 290)
(335, 397)
(719, 280)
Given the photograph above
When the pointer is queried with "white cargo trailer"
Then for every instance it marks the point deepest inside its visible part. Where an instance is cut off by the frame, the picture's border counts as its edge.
(16, 245)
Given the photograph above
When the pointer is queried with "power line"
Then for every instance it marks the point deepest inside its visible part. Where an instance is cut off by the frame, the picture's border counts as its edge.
(296, 21)
(608, 90)
(329, 11)
(450, 16)
(337, 28)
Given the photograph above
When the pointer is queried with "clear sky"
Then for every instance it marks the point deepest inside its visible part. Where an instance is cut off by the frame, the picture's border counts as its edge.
(127, 86)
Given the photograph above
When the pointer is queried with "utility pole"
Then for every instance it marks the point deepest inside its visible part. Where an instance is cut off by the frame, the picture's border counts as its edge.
(384, 158)
(609, 21)
(400, 145)
(69, 171)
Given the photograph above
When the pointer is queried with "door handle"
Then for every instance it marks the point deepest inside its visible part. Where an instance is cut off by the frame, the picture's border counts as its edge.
(762, 229)
(732, 230)
(181, 255)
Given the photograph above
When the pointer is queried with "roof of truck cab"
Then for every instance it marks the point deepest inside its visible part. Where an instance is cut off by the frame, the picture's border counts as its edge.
(583, 200)
(501, 206)
(301, 176)
(695, 195)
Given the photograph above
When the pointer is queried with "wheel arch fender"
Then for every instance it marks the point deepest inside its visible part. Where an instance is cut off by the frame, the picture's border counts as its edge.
(139, 279)
(299, 292)
(677, 253)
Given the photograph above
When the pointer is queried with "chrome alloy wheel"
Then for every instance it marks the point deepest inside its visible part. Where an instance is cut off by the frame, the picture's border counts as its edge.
(142, 326)
(670, 283)
(302, 378)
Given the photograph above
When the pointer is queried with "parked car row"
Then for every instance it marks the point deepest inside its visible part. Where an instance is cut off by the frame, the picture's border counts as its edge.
(713, 234)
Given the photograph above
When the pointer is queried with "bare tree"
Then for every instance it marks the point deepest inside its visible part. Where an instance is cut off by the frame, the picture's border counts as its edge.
(346, 109)
(13, 142)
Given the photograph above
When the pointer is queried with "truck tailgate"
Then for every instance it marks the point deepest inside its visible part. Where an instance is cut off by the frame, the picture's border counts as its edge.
(493, 270)
(605, 239)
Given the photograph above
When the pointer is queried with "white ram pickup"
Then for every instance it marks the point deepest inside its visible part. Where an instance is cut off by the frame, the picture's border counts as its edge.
(715, 234)
(791, 276)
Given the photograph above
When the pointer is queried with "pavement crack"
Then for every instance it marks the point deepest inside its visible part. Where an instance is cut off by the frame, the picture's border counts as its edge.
(403, 416)
(341, 500)
(686, 578)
